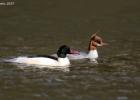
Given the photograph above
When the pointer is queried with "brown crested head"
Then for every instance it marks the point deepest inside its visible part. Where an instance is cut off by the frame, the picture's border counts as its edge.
(96, 38)
(95, 41)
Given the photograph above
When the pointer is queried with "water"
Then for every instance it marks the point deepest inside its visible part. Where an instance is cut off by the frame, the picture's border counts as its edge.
(40, 27)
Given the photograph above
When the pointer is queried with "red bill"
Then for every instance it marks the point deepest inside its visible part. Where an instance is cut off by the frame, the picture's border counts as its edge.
(72, 51)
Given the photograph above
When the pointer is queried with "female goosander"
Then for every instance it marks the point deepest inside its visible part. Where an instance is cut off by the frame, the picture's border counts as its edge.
(92, 53)
(62, 59)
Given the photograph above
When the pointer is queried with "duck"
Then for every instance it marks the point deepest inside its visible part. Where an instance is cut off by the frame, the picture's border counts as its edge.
(92, 53)
(45, 60)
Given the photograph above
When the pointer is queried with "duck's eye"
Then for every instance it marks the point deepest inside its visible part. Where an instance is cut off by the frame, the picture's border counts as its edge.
(98, 41)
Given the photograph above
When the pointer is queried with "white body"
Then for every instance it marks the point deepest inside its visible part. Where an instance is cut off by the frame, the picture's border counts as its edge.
(92, 55)
(41, 61)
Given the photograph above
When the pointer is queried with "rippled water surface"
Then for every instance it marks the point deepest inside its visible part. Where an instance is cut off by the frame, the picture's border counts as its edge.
(40, 26)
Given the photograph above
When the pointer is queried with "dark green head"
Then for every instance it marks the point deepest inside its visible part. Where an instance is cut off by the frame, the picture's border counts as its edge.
(63, 51)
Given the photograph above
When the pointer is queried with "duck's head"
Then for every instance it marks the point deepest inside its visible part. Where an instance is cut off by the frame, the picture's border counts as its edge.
(64, 50)
(95, 41)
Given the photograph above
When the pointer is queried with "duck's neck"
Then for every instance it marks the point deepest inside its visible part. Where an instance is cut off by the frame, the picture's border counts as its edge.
(63, 61)
(92, 51)
(92, 45)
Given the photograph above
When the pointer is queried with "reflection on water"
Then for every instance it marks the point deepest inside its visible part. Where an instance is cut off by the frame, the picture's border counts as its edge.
(40, 27)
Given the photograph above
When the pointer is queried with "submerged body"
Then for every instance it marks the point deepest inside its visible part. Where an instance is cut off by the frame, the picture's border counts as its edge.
(92, 54)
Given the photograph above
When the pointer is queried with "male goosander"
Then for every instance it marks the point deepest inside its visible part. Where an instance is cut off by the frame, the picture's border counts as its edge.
(62, 59)
(92, 53)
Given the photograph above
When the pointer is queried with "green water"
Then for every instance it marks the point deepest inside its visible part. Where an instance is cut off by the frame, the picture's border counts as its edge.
(40, 26)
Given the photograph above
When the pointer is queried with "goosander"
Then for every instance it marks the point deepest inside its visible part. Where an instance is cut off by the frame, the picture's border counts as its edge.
(62, 59)
(92, 53)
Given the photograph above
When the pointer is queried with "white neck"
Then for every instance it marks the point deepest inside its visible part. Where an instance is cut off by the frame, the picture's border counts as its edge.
(64, 61)
(93, 54)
